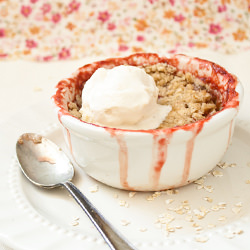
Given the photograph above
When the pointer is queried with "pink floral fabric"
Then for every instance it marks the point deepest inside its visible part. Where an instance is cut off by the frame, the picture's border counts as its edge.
(72, 29)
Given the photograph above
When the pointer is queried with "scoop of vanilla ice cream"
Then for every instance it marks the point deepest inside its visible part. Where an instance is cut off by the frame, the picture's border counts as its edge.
(122, 97)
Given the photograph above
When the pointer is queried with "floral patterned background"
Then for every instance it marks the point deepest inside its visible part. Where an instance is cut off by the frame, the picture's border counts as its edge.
(72, 29)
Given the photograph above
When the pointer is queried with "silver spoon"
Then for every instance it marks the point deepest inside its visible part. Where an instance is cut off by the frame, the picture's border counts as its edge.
(46, 165)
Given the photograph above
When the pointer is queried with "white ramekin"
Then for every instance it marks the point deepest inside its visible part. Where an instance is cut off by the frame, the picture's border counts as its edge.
(151, 160)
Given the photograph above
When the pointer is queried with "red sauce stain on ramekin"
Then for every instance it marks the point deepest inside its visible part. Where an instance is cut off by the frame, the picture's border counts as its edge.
(122, 156)
(159, 157)
(68, 89)
(195, 128)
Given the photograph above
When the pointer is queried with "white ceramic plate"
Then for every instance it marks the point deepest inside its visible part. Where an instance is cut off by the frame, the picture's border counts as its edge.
(36, 219)
(46, 219)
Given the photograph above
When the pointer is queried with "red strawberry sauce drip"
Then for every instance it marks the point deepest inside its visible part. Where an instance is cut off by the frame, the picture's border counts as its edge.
(159, 156)
(122, 156)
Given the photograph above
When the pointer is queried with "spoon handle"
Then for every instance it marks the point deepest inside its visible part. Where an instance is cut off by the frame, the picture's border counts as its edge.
(114, 240)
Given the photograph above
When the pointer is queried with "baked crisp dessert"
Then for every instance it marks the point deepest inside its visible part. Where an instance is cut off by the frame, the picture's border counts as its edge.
(190, 98)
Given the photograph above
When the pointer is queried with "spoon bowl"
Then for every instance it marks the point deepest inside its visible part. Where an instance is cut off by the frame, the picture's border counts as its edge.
(43, 163)
(46, 165)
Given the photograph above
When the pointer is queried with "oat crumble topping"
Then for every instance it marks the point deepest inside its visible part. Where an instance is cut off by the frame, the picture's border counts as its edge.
(201, 239)
(131, 194)
(125, 222)
(236, 210)
(222, 218)
(217, 173)
(75, 223)
(190, 98)
(94, 189)
(123, 203)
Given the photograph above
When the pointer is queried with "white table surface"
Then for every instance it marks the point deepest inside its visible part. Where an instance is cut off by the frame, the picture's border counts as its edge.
(25, 96)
